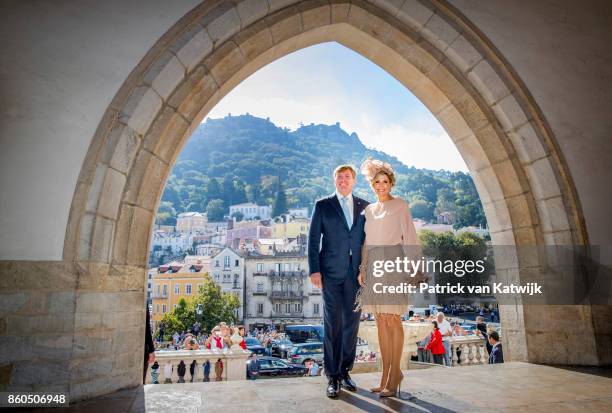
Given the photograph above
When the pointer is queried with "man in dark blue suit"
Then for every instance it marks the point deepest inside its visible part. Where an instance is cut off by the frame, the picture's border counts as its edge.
(334, 254)
(497, 355)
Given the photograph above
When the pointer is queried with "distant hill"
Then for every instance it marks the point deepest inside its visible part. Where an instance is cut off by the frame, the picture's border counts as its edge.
(247, 159)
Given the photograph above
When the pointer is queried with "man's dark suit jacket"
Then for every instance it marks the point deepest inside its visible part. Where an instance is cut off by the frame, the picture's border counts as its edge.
(339, 242)
(497, 355)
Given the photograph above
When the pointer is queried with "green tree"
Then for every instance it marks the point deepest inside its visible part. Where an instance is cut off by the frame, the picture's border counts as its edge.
(216, 305)
(238, 215)
(185, 313)
(171, 325)
(280, 201)
(448, 247)
(420, 208)
(166, 214)
(213, 190)
(215, 210)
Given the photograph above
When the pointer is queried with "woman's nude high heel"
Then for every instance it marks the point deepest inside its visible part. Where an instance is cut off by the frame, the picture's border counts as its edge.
(393, 393)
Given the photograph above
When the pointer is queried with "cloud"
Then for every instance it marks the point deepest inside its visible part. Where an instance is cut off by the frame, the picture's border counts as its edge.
(309, 87)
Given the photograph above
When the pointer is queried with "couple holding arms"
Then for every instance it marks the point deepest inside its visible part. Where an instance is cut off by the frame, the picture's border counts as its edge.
(342, 228)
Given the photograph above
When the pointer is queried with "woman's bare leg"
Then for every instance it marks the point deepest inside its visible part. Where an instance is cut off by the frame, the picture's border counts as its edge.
(384, 343)
(396, 347)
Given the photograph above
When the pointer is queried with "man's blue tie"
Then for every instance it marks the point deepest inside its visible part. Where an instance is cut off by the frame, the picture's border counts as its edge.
(347, 213)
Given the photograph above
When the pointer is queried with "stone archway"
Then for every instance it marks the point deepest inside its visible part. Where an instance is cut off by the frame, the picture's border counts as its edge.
(428, 46)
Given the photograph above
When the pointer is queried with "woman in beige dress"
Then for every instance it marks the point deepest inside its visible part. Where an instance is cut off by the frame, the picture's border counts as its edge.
(388, 223)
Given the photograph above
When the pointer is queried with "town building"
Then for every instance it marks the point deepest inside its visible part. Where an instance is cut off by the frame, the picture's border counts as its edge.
(191, 222)
(238, 231)
(175, 281)
(278, 291)
(174, 243)
(298, 212)
(289, 227)
(227, 269)
(208, 249)
(250, 211)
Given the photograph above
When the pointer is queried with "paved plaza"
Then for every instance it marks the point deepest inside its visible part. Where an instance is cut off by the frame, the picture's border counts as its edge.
(510, 387)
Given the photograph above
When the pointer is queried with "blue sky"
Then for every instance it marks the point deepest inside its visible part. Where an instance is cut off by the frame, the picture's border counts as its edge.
(329, 83)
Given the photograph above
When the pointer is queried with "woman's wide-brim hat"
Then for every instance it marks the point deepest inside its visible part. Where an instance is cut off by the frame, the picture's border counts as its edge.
(372, 167)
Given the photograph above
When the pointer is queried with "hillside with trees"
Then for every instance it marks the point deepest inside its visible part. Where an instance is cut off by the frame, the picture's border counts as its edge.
(248, 159)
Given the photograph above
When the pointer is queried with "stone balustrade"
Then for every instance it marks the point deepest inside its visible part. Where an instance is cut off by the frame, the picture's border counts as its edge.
(234, 364)
(472, 351)
(472, 348)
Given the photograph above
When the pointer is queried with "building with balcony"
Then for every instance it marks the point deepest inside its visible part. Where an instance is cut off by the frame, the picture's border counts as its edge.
(278, 290)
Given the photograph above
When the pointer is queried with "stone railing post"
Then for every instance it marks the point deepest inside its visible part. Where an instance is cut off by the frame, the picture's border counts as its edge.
(471, 348)
(234, 364)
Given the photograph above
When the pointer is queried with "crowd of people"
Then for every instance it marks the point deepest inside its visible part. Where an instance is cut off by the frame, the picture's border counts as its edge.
(481, 311)
(436, 347)
(194, 339)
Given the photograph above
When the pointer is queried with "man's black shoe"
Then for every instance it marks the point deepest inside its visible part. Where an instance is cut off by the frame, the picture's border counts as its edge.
(348, 383)
(333, 388)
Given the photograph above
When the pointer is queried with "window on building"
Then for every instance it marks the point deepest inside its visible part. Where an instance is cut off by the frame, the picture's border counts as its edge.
(217, 277)
(165, 290)
(288, 266)
(288, 308)
(164, 308)
(188, 289)
(177, 289)
(260, 287)
(259, 267)
(277, 266)
(226, 262)
(226, 278)
(157, 289)
(236, 263)
(216, 263)
(315, 308)
(298, 308)
(260, 308)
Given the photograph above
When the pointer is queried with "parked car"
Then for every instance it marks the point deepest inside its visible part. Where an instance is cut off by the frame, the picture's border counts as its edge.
(304, 333)
(252, 344)
(279, 348)
(301, 353)
(273, 366)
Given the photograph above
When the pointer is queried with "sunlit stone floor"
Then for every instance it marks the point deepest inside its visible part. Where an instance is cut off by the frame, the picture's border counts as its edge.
(510, 387)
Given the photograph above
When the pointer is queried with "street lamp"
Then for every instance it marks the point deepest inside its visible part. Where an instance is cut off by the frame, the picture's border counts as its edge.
(199, 313)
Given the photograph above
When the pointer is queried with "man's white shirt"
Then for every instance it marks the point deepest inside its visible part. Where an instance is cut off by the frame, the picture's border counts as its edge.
(349, 203)
(445, 328)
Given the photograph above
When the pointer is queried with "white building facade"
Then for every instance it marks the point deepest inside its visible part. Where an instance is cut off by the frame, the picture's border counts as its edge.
(227, 268)
(250, 210)
(191, 222)
(278, 291)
